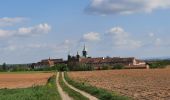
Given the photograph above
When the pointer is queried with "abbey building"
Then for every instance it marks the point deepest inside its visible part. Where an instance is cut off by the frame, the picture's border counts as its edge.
(99, 62)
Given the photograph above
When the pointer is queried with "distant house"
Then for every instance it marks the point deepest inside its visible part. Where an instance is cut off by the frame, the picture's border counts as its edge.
(58, 61)
(46, 63)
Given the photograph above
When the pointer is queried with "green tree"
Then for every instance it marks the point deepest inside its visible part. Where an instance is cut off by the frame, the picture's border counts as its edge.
(61, 67)
(118, 66)
(4, 66)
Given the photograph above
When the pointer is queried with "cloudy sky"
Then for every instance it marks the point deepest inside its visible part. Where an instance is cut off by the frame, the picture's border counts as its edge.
(31, 30)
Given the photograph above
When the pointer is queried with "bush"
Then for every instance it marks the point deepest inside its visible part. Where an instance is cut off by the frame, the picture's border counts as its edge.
(105, 67)
(81, 67)
(61, 67)
(159, 64)
(4, 66)
(154, 65)
(118, 66)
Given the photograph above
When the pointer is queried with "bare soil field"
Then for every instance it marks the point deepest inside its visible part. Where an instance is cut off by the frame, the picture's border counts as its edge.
(11, 81)
(142, 84)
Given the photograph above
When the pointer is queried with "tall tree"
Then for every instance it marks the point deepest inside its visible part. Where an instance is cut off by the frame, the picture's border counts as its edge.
(4, 66)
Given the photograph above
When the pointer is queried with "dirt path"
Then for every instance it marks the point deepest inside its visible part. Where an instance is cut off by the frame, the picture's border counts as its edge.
(81, 92)
(63, 95)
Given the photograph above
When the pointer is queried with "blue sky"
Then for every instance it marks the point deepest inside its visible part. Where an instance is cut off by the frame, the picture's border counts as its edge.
(31, 30)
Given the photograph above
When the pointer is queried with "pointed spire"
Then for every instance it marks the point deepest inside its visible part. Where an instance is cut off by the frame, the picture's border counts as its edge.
(84, 52)
(69, 53)
(84, 48)
(77, 53)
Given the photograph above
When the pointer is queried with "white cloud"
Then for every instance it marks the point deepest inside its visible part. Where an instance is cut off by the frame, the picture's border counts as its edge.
(151, 34)
(37, 45)
(104, 7)
(121, 39)
(65, 46)
(17, 46)
(26, 31)
(11, 48)
(92, 36)
(60, 47)
(6, 21)
(156, 41)
(66, 42)
(5, 33)
(39, 29)
(118, 33)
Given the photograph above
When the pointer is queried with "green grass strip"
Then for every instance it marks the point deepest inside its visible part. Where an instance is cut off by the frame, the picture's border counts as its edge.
(102, 94)
(26, 72)
(72, 93)
(47, 92)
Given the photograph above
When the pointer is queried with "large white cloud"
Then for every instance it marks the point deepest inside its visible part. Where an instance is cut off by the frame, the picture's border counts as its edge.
(122, 39)
(26, 31)
(5, 33)
(156, 41)
(7, 21)
(105, 7)
(91, 36)
(39, 29)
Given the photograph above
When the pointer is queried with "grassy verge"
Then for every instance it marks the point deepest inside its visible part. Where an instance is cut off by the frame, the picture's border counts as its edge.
(72, 93)
(26, 72)
(97, 92)
(47, 92)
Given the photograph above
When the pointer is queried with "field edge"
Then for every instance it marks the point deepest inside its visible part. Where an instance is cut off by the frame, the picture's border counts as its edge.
(100, 93)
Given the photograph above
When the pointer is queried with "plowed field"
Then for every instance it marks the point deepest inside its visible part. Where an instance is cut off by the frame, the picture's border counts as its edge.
(23, 80)
(142, 84)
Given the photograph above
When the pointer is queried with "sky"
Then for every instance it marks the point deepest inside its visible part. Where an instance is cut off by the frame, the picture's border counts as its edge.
(31, 30)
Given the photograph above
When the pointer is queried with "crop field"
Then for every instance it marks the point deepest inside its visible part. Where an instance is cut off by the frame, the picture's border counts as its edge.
(142, 84)
(44, 92)
(23, 80)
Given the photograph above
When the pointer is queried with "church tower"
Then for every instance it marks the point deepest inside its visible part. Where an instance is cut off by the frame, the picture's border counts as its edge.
(78, 56)
(69, 56)
(84, 52)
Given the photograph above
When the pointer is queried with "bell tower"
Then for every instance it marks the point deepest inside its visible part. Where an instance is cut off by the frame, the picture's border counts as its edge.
(69, 55)
(84, 52)
(78, 56)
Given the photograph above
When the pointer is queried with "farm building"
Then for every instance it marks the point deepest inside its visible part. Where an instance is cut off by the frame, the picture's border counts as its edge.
(47, 63)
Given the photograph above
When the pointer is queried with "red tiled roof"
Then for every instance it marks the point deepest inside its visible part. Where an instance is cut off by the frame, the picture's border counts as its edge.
(106, 60)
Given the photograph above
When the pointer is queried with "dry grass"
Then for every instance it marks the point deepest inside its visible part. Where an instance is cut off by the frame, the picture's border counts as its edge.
(23, 80)
(152, 84)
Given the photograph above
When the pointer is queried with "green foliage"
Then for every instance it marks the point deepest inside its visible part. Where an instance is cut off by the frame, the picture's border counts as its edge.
(25, 72)
(159, 64)
(18, 68)
(97, 92)
(1, 69)
(105, 67)
(22, 67)
(118, 66)
(61, 67)
(47, 92)
(4, 67)
(81, 67)
(72, 93)
(53, 68)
